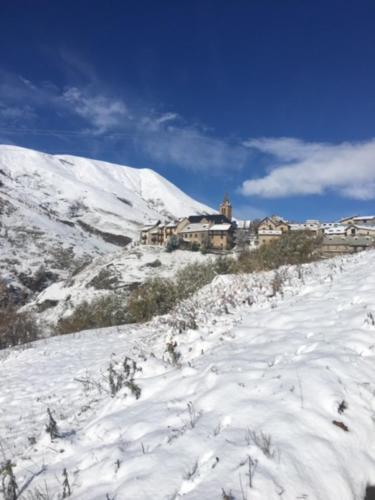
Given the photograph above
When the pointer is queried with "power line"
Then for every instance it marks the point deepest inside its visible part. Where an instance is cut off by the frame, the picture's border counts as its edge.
(64, 132)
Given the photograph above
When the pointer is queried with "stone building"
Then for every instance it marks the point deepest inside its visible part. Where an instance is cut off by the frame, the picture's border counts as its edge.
(271, 228)
(206, 230)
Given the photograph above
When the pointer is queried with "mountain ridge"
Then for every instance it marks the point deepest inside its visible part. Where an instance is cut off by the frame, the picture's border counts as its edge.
(73, 208)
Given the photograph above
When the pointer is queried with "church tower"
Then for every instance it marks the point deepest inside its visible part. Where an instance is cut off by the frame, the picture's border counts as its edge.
(226, 208)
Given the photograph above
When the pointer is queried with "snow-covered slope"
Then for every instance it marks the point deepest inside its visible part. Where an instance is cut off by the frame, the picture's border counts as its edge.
(52, 203)
(271, 396)
(115, 272)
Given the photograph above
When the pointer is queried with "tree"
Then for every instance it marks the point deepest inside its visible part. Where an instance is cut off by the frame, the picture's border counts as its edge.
(242, 240)
(173, 243)
(254, 225)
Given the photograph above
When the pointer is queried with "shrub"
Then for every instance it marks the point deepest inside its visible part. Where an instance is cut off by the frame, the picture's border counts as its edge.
(173, 243)
(17, 327)
(156, 296)
(193, 277)
(195, 246)
(106, 279)
(292, 248)
(38, 281)
(104, 311)
(159, 295)
(224, 265)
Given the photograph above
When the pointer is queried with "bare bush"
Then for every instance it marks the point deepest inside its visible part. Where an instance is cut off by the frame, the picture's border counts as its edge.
(227, 495)
(263, 441)
(17, 328)
(174, 355)
(51, 427)
(120, 376)
(9, 485)
(277, 283)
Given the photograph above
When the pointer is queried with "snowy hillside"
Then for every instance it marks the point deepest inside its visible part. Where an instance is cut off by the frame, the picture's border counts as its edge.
(119, 271)
(270, 396)
(59, 209)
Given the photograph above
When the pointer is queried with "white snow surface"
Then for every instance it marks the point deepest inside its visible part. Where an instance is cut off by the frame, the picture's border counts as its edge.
(259, 367)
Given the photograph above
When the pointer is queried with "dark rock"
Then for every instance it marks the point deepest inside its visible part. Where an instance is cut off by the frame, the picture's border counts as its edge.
(115, 239)
(47, 304)
(370, 493)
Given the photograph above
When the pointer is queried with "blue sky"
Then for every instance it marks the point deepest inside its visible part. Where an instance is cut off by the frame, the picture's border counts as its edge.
(271, 101)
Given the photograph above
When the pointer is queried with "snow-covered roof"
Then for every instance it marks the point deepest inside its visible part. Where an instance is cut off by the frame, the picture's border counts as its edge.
(304, 226)
(195, 228)
(358, 218)
(335, 230)
(365, 217)
(329, 224)
(171, 224)
(220, 227)
(366, 227)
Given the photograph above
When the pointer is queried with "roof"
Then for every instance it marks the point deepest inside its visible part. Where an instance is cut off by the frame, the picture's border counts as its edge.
(359, 218)
(304, 226)
(215, 218)
(275, 219)
(220, 227)
(366, 227)
(171, 224)
(335, 230)
(364, 217)
(278, 219)
(349, 218)
(150, 225)
(195, 228)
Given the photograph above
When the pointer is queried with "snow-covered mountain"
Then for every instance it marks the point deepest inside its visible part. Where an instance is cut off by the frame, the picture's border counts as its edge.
(59, 210)
(269, 397)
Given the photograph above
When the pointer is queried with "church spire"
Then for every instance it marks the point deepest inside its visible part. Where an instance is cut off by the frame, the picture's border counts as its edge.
(226, 207)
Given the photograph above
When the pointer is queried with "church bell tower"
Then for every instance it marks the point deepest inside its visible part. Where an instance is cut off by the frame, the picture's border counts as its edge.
(226, 208)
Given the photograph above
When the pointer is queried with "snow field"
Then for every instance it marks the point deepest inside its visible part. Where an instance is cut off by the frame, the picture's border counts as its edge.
(258, 386)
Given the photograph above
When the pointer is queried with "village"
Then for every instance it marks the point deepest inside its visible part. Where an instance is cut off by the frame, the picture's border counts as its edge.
(220, 232)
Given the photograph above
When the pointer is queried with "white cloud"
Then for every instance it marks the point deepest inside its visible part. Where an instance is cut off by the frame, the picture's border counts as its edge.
(163, 137)
(192, 149)
(302, 168)
(102, 112)
(167, 117)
